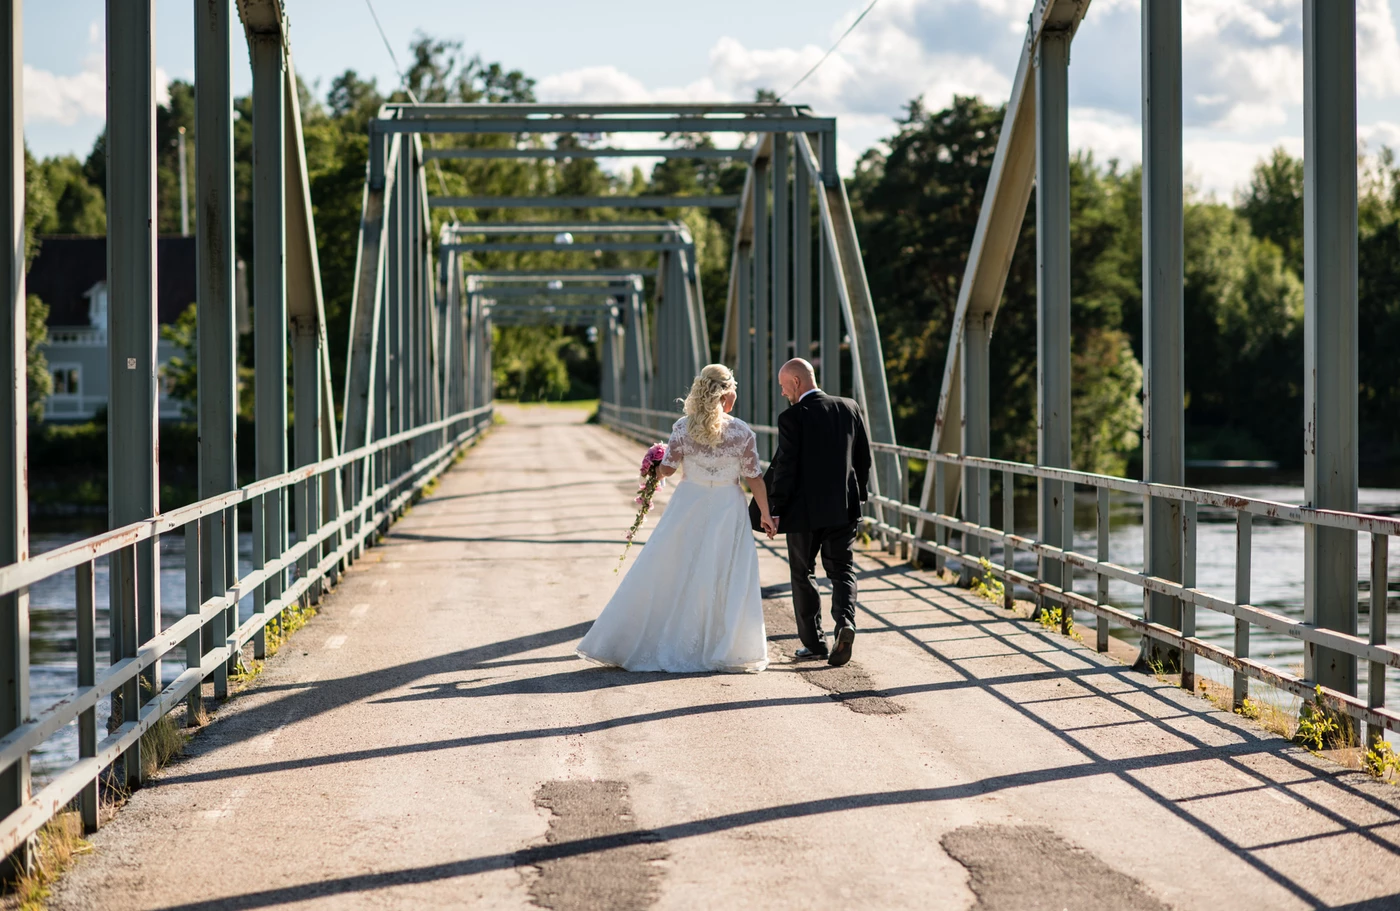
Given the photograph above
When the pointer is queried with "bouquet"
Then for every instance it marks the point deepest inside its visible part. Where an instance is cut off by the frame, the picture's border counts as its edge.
(651, 481)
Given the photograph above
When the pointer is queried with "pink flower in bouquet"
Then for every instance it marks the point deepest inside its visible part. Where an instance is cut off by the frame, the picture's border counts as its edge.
(651, 480)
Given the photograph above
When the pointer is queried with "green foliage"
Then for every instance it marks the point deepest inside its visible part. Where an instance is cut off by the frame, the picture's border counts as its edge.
(40, 381)
(1382, 761)
(527, 362)
(987, 585)
(181, 371)
(917, 210)
(1322, 726)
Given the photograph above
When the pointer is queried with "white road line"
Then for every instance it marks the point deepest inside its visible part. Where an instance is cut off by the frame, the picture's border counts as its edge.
(335, 642)
(359, 610)
(225, 809)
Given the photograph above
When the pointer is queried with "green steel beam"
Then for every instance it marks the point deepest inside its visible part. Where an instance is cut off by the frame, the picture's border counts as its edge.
(585, 246)
(781, 266)
(802, 261)
(14, 491)
(763, 370)
(133, 440)
(549, 154)
(1052, 289)
(486, 124)
(563, 275)
(269, 302)
(214, 265)
(1330, 328)
(1163, 314)
(632, 226)
(429, 110)
(583, 202)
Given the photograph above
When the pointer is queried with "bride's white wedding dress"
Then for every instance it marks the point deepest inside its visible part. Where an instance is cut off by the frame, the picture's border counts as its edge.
(691, 600)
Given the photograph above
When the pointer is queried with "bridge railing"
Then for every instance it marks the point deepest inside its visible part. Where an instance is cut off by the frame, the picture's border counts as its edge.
(407, 461)
(975, 531)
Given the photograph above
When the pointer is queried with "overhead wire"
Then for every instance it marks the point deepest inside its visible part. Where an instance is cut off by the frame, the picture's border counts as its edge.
(403, 81)
(831, 50)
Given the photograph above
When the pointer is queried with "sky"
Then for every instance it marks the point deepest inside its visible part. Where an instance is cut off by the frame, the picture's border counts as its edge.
(1242, 72)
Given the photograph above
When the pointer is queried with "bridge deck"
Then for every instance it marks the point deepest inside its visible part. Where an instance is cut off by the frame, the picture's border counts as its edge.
(430, 740)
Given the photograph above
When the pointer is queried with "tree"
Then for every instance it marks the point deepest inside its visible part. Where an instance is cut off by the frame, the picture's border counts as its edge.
(39, 381)
(1273, 205)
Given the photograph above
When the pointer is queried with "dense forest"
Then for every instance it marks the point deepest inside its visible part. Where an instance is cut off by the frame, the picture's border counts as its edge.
(916, 202)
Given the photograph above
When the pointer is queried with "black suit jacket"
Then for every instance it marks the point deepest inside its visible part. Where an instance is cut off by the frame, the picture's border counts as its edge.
(820, 474)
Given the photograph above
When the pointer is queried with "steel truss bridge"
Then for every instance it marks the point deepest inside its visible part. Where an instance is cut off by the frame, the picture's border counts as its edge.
(418, 379)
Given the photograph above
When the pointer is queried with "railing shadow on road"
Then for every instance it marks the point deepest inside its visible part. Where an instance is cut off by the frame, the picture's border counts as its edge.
(543, 488)
(1114, 683)
(981, 617)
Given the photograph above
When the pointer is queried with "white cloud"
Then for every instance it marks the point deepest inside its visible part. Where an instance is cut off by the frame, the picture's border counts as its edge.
(68, 98)
(1242, 75)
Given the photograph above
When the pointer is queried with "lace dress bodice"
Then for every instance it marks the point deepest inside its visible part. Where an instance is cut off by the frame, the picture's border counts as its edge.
(735, 456)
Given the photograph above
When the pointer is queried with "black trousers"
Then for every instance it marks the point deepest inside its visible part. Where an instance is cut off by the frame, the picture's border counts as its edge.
(834, 544)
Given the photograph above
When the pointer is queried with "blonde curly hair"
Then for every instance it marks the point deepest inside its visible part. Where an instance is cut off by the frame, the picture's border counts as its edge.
(704, 406)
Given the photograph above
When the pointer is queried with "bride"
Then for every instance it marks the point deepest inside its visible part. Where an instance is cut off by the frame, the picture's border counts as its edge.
(691, 600)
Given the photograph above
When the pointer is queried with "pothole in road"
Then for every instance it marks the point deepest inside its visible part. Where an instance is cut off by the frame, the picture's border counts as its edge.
(1030, 868)
(849, 685)
(595, 857)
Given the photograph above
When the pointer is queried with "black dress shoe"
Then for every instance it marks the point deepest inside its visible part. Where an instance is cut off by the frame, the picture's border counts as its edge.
(841, 650)
(807, 654)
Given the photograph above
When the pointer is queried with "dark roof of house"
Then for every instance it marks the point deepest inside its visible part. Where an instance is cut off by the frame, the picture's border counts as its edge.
(66, 267)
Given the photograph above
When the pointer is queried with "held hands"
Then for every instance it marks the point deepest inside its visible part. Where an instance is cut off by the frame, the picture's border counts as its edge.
(770, 524)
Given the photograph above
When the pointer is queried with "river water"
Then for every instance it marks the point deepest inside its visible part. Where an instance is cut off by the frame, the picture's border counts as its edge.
(1277, 583)
(53, 630)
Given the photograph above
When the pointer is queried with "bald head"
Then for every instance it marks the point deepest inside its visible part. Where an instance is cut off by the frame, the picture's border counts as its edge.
(796, 379)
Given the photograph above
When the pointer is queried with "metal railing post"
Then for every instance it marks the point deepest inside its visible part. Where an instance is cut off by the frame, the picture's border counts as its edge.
(1102, 527)
(1380, 591)
(194, 645)
(1244, 550)
(1008, 527)
(1188, 580)
(940, 532)
(86, 603)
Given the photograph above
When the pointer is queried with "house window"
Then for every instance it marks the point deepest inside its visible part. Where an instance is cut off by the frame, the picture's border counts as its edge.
(67, 379)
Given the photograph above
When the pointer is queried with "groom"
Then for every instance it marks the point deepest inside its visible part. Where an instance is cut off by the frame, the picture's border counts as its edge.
(819, 479)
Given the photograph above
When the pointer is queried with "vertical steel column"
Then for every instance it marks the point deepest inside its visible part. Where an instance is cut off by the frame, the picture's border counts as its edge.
(782, 264)
(1163, 320)
(763, 376)
(133, 434)
(976, 431)
(1329, 327)
(636, 389)
(269, 302)
(829, 323)
(218, 338)
(14, 492)
(802, 259)
(1052, 286)
(394, 314)
(743, 357)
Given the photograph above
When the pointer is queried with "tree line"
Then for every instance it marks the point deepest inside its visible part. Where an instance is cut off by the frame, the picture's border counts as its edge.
(916, 200)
